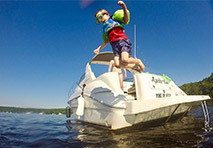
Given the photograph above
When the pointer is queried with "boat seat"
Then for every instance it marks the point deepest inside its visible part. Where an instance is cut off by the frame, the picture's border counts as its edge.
(132, 91)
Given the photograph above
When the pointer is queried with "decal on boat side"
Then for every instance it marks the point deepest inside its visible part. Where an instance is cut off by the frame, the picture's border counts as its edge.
(158, 80)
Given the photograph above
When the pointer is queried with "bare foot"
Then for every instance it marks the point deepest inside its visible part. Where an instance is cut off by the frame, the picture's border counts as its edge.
(141, 65)
(136, 67)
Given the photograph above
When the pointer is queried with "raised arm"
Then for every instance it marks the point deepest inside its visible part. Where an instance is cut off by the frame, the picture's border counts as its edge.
(96, 51)
(123, 5)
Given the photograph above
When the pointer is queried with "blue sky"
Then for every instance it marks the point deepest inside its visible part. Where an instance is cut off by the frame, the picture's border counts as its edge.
(45, 45)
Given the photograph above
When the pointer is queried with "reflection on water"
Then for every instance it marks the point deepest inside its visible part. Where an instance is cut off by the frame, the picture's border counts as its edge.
(54, 131)
(187, 132)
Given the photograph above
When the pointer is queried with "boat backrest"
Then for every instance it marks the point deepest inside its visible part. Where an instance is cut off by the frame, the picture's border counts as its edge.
(150, 86)
(88, 73)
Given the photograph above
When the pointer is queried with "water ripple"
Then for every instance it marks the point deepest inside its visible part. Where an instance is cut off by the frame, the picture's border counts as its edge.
(43, 131)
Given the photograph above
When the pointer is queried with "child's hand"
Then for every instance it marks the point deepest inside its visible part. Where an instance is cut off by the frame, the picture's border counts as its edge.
(121, 3)
(96, 51)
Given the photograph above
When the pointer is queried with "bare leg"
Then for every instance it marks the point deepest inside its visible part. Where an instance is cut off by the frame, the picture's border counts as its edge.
(120, 75)
(129, 62)
(117, 62)
(111, 64)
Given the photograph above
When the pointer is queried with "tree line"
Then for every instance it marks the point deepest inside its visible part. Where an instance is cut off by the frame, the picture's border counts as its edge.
(32, 110)
(204, 87)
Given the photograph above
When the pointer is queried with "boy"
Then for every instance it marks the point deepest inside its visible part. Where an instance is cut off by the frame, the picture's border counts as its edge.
(119, 71)
(113, 32)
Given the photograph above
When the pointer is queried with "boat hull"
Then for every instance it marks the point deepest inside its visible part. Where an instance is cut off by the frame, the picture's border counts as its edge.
(116, 118)
(98, 113)
(164, 115)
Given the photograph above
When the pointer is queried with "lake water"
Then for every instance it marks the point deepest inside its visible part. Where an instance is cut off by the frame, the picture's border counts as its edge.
(35, 130)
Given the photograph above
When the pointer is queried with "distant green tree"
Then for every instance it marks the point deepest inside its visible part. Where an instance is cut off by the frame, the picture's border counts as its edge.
(32, 110)
(204, 87)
